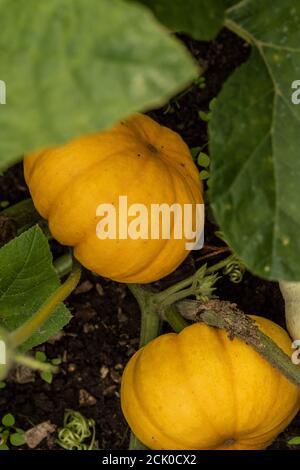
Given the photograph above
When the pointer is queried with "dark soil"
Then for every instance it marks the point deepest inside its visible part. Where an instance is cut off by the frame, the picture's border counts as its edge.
(104, 331)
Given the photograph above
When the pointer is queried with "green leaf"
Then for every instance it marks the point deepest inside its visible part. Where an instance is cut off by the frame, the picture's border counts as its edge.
(40, 356)
(56, 361)
(202, 19)
(19, 430)
(72, 67)
(16, 439)
(230, 3)
(203, 160)
(294, 441)
(204, 116)
(204, 175)
(27, 279)
(195, 152)
(47, 376)
(8, 420)
(2, 385)
(4, 447)
(212, 104)
(255, 140)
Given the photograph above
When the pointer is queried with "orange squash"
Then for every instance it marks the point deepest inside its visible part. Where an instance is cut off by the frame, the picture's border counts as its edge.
(138, 158)
(200, 390)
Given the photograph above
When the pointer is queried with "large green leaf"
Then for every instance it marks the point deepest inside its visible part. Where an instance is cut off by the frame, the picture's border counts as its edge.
(74, 66)
(202, 19)
(255, 141)
(27, 278)
(230, 3)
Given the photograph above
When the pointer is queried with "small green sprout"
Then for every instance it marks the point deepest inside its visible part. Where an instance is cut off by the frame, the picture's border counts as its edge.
(47, 375)
(9, 433)
(206, 116)
(200, 82)
(203, 160)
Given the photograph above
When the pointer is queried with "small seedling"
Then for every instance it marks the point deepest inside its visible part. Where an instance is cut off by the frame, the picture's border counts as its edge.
(203, 160)
(47, 375)
(206, 116)
(200, 82)
(9, 433)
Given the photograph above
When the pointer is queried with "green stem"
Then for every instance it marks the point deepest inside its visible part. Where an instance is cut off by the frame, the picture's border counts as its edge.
(175, 320)
(34, 364)
(150, 328)
(170, 291)
(179, 296)
(23, 213)
(24, 332)
(237, 29)
(64, 264)
(150, 322)
(222, 264)
(184, 288)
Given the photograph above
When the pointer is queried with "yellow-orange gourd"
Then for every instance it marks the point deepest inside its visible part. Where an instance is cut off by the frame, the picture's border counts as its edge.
(138, 158)
(200, 390)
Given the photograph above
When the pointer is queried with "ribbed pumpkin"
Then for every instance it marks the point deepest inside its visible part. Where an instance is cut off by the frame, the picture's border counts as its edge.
(138, 158)
(201, 390)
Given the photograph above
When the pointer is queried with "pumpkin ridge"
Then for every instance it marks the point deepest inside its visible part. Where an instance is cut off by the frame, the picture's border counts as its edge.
(146, 412)
(136, 128)
(274, 401)
(257, 434)
(230, 369)
(37, 160)
(74, 178)
(178, 165)
(147, 266)
(190, 387)
(152, 135)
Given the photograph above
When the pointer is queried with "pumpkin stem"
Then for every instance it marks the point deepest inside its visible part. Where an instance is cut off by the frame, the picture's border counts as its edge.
(22, 215)
(150, 320)
(222, 314)
(175, 320)
(150, 328)
(63, 265)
